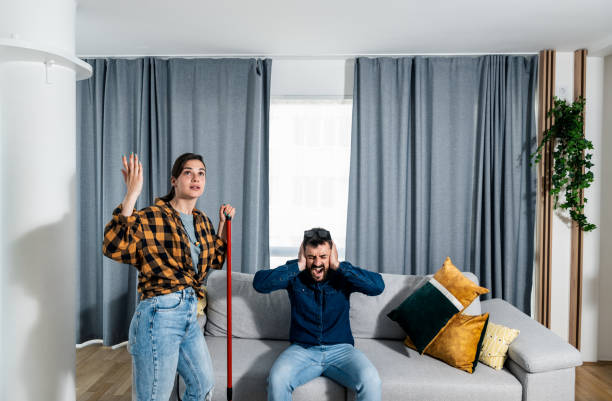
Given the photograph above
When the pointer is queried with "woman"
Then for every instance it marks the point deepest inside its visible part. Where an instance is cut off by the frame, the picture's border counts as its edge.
(173, 245)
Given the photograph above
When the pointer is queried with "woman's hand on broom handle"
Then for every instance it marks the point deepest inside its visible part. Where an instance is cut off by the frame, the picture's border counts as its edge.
(226, 211)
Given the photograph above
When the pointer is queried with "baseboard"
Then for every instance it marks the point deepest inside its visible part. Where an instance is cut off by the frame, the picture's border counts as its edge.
(598, 363)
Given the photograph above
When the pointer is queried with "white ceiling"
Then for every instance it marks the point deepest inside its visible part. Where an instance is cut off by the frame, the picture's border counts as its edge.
(339, 28)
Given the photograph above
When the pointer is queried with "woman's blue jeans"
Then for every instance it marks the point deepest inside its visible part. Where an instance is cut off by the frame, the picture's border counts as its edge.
(165, 337)
(342, 363)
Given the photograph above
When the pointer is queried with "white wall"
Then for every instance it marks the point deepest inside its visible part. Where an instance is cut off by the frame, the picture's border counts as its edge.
(605, 228)
(593, 285)
(323, 78)
(590, 255)
(561, 228)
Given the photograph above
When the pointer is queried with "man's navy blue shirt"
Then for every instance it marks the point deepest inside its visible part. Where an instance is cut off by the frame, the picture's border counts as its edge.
(319, 310)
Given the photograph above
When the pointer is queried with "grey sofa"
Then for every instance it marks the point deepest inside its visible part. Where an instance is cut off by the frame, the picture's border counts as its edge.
(541, 366)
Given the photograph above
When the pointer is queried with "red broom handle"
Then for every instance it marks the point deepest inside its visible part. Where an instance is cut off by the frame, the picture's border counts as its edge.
(229, 308)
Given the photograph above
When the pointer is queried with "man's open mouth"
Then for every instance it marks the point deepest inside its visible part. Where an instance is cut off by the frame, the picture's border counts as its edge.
(317, 270)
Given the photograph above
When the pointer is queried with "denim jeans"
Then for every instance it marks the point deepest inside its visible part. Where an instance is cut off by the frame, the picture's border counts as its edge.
(342, 363)
(165, 337)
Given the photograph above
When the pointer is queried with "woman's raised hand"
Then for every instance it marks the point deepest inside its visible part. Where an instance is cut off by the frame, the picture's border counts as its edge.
(132, 176)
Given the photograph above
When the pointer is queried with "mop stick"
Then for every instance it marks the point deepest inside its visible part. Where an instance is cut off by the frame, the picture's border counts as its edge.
(229, 308)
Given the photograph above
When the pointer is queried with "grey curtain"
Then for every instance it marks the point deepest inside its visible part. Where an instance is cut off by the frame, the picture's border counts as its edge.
(160, 109)
(440, 167)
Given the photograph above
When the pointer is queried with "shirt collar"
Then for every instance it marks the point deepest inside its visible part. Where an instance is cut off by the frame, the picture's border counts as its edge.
(170, 210)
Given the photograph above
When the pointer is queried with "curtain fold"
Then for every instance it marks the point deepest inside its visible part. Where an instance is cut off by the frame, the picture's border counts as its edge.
(160, 109)
(440, 167)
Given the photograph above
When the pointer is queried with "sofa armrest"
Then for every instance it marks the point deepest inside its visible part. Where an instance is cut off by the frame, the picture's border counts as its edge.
(536, 349)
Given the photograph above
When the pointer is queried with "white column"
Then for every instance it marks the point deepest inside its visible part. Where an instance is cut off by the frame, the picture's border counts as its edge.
(38, 200)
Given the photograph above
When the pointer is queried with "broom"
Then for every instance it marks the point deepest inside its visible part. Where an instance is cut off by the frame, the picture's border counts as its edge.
(229, 308)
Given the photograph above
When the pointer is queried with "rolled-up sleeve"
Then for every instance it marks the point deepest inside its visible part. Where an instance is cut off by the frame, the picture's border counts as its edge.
(122, 238)
(219, 248)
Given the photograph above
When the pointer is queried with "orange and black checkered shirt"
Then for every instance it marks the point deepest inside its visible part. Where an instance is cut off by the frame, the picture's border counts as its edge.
(154, 241)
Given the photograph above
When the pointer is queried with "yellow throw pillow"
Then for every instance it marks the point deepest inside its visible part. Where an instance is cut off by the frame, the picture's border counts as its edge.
(495, 345)
(202, 303)
(459, 343)
(457, 284)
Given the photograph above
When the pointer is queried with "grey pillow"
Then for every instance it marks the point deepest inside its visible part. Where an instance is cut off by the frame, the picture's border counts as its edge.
(254, 315)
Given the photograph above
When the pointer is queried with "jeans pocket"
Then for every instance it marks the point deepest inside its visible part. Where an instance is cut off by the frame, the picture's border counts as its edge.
(168, 302)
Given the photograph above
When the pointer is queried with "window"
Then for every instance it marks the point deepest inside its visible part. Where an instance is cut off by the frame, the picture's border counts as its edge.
(310, 143)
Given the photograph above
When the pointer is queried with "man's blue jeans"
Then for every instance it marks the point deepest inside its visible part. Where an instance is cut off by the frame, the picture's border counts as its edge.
(342, 363)
(165, 337)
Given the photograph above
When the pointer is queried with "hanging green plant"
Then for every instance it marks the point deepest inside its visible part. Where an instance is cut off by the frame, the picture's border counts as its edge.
(572, 161)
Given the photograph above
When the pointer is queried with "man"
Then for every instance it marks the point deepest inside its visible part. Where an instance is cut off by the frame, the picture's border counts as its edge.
(319, 288)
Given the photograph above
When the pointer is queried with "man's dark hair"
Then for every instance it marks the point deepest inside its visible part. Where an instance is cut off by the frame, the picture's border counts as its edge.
(317, 236)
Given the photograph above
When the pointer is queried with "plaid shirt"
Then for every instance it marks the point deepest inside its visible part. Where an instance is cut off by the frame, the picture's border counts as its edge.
(154, 241)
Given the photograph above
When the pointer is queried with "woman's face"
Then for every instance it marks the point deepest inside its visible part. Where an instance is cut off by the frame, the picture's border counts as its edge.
(190, 183)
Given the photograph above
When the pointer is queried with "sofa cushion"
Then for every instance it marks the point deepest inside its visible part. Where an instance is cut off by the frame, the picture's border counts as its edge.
(460, 342)
(368, 315)
(425, 313)
(268, 316)
(254, 315)
(408, 376)
(251, 364)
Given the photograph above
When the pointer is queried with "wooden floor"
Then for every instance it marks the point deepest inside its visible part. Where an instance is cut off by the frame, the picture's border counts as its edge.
(594, 382)
(103, 374)
(106, 374)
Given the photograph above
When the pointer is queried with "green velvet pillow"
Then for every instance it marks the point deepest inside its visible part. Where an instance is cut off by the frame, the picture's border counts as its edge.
(425, 313)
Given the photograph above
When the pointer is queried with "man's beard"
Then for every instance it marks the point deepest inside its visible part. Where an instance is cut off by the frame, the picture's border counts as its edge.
(318, 273)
